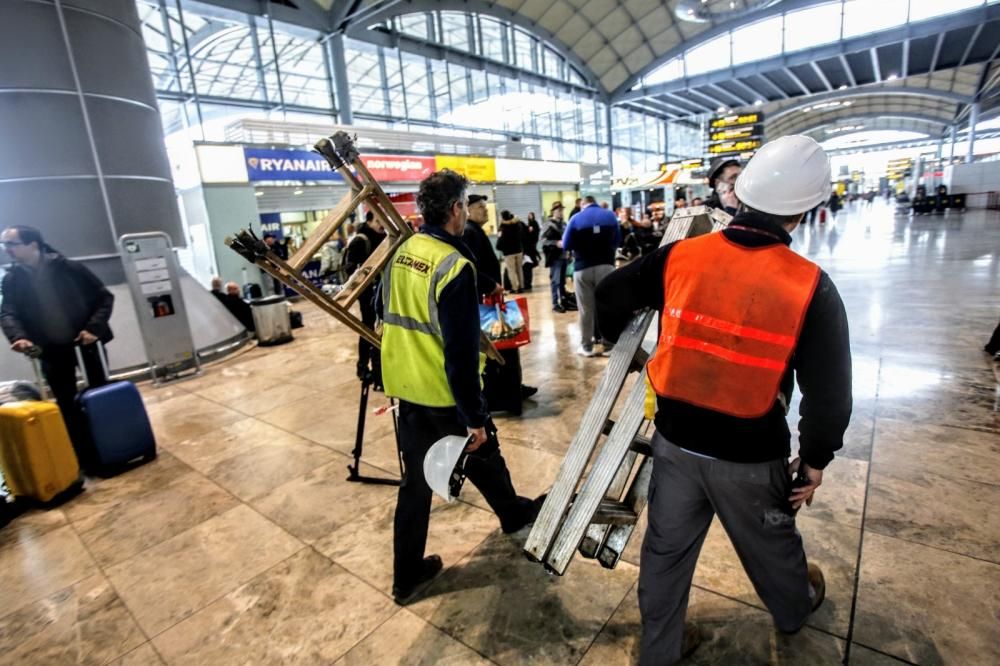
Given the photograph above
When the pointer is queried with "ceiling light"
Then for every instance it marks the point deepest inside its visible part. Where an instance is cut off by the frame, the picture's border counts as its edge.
(258, 193)
(721, 109)
(842, 87)
(759, 102)
(732, 5)
(297, 192)
(892, 77)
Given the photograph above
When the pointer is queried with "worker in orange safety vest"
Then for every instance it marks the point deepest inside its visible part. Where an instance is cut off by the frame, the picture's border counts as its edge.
(742, 318)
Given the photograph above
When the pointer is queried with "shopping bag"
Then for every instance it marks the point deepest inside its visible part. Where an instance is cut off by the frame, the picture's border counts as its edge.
(505, 324)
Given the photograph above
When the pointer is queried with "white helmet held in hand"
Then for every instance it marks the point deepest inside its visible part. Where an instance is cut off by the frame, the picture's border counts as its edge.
(787, 176)
(441, 466)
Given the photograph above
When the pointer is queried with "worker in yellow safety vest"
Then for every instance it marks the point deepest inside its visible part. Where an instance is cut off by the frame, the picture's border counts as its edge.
(431, 362)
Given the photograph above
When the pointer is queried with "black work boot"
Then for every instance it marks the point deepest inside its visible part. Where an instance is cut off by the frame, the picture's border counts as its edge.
(430, 567)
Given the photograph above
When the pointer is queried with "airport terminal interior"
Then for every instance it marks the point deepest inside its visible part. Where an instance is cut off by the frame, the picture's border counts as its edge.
(177, 150)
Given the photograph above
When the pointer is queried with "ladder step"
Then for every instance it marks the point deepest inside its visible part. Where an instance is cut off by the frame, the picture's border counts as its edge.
(610, 512)
(642, 445)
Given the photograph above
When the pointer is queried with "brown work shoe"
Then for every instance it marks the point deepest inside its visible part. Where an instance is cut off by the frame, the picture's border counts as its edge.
(817, 584)
(691, 640)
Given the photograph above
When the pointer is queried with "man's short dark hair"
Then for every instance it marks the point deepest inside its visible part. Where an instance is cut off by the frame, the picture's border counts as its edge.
(780, 220)
(506, 215)
(438, 193)
(589, 199)
(476, 198)
(369, 216)
(272, 236)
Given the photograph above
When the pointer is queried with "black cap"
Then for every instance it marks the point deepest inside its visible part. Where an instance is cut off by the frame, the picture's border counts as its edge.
(718, 164)
(476, 198)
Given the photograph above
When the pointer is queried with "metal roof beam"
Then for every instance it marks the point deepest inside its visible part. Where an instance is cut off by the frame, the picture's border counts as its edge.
(821, 122)
(700, 106)
(821, 75)
(847, 70)
(672, 102)
(876, 67)
(905, 64)
(937, 52)
(870, 91)
(781, 91)
(740, 101)
(711, 98)
(939, 26)
(968, 49)
(797, 81)
(754, 93)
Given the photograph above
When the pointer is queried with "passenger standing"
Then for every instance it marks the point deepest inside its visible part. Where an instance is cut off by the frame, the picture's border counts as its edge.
(364, 242)
(592, 236)
(511, 244)
(54, 304)
(576, 208)
(432, 363)
(742, 317)
(532, 232)
(555, 256)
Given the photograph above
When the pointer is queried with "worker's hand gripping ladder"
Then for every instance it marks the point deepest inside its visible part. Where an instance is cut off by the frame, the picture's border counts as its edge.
(597, 512)
(340, 151)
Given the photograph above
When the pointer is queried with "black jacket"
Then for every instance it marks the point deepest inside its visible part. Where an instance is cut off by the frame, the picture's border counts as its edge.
(487, 264)
(532, 231)
(552, 235)
(821, 363)
(358, 250)
(83, 302)
(511, 238)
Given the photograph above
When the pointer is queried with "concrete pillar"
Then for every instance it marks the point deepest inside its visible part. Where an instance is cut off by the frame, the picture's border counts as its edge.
(607, 123)
(973, 121)
(343, 88)
(954, 132)
(81, 129)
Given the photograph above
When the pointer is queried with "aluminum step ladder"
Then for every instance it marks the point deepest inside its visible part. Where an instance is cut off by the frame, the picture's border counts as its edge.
(340, 151)
(596, 512)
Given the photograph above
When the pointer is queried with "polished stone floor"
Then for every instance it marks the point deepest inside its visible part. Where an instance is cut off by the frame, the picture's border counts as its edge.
(244, 544)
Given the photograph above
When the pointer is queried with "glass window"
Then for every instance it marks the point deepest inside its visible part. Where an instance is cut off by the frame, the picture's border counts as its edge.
(668, 72)
(923, 9)
(758, 40)
(524, 50)
(418, 101)
(303, 74)
(459, 86)
(710, 56)
(394, 83)
(364, 73)
(478, 90)
(810, 27)
(550, 63)
(440, 87)
(492, 38)
(862, 16)
(414, 24)
(456, 30)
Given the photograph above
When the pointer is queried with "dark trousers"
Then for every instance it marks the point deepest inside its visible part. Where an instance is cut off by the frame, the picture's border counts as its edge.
(993, 346)
(557, 280)
(419, 428)
(369, 357)
(59, 367)
(502, 383)
(751, 500)
(526, 272)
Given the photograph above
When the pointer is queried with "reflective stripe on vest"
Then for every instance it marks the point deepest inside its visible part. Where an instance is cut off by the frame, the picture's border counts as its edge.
(731, 320)
(412, 343)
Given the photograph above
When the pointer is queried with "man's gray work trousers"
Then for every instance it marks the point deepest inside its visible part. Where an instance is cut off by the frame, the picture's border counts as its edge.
(751, 500)
(585, 283)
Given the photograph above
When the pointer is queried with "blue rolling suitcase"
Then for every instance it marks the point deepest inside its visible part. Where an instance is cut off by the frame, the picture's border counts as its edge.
(115, 417)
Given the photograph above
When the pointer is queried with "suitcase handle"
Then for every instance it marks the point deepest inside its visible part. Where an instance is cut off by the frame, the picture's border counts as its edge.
(83, 366)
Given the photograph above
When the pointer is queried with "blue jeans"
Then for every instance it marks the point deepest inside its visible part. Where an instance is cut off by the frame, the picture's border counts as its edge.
(557, 280)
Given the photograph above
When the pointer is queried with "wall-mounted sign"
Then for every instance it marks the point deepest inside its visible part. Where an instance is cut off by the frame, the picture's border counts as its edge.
(478, 169)
(533, 171)
(736, 133)
(270, 223)
(287, 164)
(693, 165)
(736, 120)
(399, 168)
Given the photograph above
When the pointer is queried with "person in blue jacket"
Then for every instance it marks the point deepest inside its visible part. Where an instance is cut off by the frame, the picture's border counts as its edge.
(592, 236)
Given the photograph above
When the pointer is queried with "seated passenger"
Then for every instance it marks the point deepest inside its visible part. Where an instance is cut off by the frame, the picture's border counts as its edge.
(237, 306)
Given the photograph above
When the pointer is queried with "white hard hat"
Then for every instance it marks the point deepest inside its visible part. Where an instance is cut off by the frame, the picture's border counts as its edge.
(787, 176)
(440, 466)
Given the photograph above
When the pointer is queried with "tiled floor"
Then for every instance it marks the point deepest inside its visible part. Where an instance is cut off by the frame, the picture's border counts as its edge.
(243, 543)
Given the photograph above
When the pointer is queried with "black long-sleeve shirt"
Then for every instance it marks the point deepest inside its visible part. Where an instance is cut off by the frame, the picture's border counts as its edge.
(458, 314)
(821, 363)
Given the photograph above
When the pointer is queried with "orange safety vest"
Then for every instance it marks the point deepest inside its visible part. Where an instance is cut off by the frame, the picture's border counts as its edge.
(731, 319)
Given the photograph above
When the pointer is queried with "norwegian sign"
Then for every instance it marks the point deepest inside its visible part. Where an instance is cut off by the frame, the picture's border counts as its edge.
(287, 164)
(399, 168)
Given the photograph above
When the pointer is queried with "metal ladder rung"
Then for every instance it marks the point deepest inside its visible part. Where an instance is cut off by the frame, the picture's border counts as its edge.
(611, 512)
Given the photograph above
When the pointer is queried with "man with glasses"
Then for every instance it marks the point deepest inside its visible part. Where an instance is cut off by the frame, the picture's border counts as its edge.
(50, 305)
(722, 177)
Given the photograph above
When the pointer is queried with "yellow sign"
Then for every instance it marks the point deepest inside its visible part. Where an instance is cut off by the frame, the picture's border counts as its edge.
(734, 147)
(731, 134)
(478, 169)
(735, 120)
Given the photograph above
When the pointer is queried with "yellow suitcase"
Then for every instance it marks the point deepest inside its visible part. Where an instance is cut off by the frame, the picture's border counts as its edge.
(36, 455)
